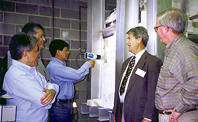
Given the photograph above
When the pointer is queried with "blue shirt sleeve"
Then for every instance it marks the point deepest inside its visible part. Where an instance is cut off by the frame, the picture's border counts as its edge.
(68, 74)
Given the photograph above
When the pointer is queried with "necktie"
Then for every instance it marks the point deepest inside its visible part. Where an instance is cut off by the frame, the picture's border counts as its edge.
(128, 72)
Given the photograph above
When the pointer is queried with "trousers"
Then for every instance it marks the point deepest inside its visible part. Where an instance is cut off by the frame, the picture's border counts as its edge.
(61, 112)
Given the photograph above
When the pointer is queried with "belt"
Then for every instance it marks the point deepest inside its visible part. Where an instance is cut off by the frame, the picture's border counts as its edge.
(65, 100)
(164, 112)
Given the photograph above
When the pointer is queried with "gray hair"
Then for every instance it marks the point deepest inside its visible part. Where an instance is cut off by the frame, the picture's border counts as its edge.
(140, 32)
(173, 18)
(19, 43)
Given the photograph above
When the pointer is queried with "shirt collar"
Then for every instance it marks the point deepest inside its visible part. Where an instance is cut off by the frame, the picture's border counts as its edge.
(22, 65)
(58, 61)
(139, 54)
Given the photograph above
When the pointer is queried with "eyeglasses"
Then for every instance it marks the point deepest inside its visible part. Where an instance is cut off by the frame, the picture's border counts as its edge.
(156, 28)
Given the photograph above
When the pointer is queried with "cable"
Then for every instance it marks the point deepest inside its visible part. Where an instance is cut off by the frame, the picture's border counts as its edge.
(52, 19)
(82, 51)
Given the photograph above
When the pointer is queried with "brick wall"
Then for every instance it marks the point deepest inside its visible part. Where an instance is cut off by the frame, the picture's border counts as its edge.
(15, 13)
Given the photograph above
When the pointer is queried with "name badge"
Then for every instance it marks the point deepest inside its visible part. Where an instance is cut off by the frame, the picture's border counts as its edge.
(140, 72)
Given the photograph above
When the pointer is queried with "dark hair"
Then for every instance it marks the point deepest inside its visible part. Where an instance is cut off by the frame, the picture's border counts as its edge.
(57, 44)
(18, 44)
(140, 32)
(30, 28)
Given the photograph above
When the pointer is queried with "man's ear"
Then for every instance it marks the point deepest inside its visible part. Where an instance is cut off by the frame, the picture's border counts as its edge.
(24, 54)
(35, 35)
(166, 28)
(57, 52)
(139, 39)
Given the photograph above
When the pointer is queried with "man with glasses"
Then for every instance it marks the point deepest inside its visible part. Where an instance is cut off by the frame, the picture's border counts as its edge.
(36, 30)
(177, 89)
